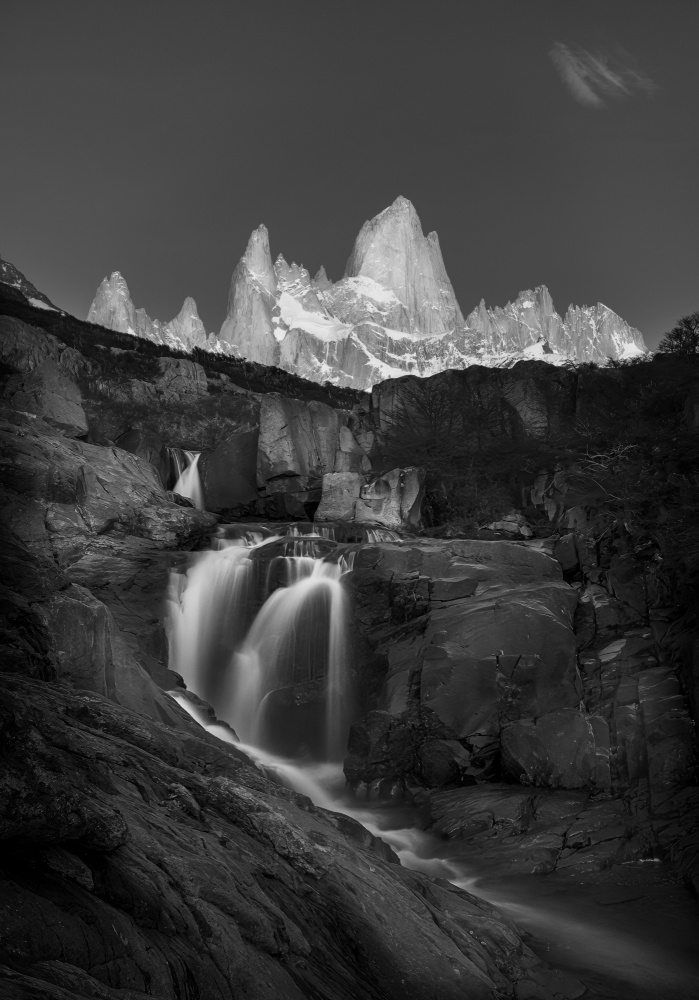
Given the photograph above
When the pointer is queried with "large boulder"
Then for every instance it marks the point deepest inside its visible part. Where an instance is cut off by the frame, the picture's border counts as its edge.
(341, 491)
(393, 500)
(562, 749)
(297, 439)
(477, 632)
(386, 753)
(91, 654)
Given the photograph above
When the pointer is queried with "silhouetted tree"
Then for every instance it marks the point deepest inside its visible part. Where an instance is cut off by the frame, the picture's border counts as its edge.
(683, 338)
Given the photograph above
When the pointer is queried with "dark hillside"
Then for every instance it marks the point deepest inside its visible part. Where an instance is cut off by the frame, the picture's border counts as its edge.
(91, 340)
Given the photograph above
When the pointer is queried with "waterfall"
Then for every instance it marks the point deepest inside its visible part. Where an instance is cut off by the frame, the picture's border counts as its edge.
(188, 481)
(278, 677)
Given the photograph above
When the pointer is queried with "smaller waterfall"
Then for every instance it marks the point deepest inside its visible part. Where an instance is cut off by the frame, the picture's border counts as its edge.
(188, 482)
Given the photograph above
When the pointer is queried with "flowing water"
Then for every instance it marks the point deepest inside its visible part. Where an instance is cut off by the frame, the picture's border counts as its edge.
(187, 479)
(258, 623)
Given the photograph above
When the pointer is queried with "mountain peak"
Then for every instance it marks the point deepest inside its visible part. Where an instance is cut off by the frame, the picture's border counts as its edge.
(12, 276)
(257, 260)
(403, 205)
(393, 251)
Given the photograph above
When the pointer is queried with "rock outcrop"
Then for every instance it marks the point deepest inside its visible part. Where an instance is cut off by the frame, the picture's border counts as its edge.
(478, 664)
(262, 453)
(392, 500)
(104, 896)
(393, 312)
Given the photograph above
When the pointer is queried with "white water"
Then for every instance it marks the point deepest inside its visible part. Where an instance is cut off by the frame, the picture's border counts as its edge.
(188, 481)
(297, 637)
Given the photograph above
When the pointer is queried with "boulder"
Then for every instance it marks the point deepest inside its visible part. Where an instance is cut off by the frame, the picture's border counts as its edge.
(478, 660)
(297, 438)
(48, 392)
(393, 500)
(566, 552)
(477, 632)
(352, 461)
(341, 491)
(563, 749)
(386, 750)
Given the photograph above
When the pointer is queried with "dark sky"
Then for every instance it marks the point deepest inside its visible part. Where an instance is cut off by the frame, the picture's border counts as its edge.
(152, 137)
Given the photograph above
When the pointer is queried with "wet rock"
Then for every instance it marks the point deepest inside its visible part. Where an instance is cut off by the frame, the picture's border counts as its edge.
(99, 813)
(413, 747)
(563, 749)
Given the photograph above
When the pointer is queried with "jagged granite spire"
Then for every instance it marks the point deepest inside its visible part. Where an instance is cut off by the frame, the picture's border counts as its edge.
(392, 250)
(393, 313)
(248, 327)
(112, 307)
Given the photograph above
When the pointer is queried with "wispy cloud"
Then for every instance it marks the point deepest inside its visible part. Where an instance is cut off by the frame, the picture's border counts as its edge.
(593, 78)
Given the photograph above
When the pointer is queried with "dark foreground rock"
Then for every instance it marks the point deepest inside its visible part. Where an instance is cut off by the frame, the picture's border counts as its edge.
(140, 861)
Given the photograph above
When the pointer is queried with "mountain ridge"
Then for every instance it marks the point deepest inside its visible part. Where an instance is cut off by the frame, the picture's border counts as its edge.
(394, 312)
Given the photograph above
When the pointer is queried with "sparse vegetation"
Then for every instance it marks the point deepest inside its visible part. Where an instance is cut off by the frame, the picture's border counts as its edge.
(683, 339)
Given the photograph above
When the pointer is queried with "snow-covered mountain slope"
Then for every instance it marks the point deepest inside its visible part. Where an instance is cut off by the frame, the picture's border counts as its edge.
(394, 312)
(112, 307)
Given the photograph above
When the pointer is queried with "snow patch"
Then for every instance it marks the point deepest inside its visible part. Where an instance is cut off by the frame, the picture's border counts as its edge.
(366, 286)
(42, 305)
(296, 317)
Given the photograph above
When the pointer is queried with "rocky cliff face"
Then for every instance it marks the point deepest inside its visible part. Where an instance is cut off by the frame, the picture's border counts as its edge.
(112, 307)
(394, 312)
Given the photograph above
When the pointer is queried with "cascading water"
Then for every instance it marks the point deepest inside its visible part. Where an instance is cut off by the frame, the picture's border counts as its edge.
(187, 481)
(240, 637)
(279, 677)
